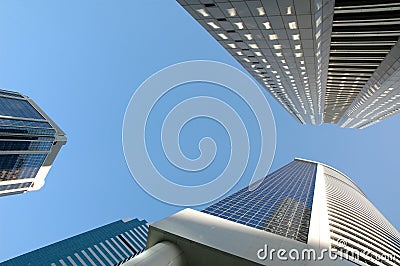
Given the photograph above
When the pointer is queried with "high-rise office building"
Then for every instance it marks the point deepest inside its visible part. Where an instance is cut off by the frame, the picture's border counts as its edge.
(304, 208)
(323, 61)
(111, 244)
(282, 205)
(29, 143)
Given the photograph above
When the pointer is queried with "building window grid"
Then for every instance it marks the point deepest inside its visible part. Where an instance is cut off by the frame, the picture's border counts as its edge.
(15, 186)
(10, 145)
(254, 208)
(12, 130)
(232, 201)
(284, 222)
(244, 194)
(24, 123)
(262, 187)
(265, 211)
(18, 108)
(253, 27)
(26, 138)
(21, 166)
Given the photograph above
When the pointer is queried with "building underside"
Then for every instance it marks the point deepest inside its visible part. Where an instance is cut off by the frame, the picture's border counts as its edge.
(323, 61)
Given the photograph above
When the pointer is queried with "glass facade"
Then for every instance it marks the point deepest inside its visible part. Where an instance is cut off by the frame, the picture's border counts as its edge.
(281, 204)
(110, 244)
(24, 145)
(18, 108)
(20, 166)
(14, 186)
(27, 139)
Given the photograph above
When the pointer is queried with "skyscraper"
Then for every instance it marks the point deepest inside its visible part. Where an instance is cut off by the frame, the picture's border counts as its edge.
(305, 208)
(323, 61)
(110, 244)
(29, 143)
(281, 206)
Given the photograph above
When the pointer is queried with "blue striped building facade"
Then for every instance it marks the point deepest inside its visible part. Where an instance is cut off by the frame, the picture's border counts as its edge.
(111, 244)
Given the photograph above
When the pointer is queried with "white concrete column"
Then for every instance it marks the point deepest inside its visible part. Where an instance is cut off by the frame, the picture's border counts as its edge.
(319, 231)
(162, 254)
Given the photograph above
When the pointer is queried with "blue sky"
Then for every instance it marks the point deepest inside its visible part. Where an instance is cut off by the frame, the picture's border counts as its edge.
(81, 61)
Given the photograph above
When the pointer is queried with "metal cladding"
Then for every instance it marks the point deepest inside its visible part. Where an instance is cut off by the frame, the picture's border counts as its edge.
(323, 61)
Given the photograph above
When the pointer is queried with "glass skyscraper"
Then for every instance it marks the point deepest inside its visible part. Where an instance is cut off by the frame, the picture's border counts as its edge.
(331, 61)
(111, 244)
(29, 143)
(284, 202)
(305, 208)
(281, 204)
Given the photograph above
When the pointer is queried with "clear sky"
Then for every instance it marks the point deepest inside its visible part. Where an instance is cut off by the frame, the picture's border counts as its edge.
(81, 61)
